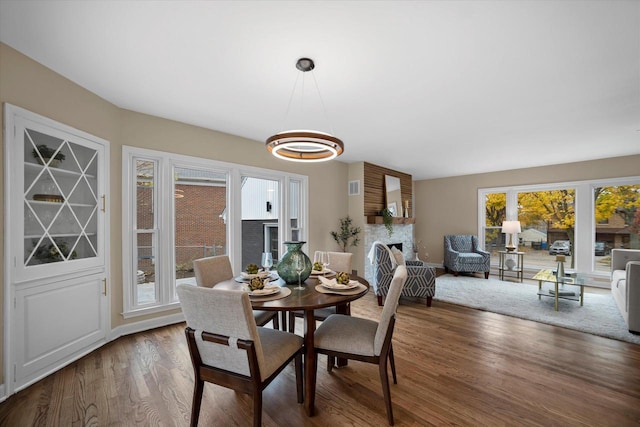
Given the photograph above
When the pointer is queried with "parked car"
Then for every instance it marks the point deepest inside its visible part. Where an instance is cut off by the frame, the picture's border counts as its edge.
(600, 249)
(560, 247)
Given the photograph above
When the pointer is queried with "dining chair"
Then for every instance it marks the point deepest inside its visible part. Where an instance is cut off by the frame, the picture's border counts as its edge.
(228, 348)
(366, 340)
(338, 261)
(213, 270)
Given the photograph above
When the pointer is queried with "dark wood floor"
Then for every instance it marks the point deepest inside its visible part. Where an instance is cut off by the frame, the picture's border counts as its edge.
(456, 366)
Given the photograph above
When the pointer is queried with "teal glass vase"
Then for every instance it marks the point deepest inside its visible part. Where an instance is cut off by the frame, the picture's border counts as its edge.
(287, 265)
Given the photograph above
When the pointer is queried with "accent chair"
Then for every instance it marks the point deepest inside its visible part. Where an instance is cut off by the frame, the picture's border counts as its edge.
(462, 254)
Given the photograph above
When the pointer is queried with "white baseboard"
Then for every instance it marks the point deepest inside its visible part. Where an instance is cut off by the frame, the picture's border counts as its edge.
(145, 325)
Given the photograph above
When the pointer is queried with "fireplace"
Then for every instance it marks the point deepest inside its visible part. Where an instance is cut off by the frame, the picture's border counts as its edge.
(395, 245)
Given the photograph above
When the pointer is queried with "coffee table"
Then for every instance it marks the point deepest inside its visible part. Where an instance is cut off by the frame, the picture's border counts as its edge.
(557, 293)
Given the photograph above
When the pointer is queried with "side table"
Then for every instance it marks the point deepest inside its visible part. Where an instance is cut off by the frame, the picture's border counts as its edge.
(517, 268)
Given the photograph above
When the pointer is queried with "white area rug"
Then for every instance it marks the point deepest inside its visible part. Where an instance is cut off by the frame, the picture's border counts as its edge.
(598, 316)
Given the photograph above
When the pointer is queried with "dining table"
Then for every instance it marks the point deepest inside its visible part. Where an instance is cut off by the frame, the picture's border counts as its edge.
(307, 300)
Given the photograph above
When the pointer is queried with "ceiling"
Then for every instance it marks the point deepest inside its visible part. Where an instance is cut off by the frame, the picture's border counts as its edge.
(433, 88)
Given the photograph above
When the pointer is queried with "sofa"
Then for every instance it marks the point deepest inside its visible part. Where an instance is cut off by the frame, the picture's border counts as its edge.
(625, 285)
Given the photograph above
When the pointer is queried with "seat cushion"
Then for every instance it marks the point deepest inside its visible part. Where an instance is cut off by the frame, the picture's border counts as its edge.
(346, 334)
(469, 258)
(263, 317)
(277, 346)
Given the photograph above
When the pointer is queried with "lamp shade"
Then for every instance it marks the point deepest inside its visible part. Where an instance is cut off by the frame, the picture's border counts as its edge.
(509, 227)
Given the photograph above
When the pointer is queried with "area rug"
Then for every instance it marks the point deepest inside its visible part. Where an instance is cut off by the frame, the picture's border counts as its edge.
(598, 316)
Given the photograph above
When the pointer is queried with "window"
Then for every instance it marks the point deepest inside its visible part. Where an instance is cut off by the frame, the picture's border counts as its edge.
(617, 221)
(178, 208)
(580, 220)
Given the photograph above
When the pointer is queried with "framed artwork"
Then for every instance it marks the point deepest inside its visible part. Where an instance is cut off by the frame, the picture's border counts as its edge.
(393, 208)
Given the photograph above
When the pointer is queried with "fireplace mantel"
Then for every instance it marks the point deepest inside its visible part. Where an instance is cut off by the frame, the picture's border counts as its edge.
(395, 220)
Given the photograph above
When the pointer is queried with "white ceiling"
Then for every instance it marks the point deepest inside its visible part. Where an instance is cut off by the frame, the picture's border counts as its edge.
(433, 88)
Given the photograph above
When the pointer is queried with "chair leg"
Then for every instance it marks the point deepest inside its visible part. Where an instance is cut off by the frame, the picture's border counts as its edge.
(384, 379)
(455, 274)
(292, 322)
(380, 300)
(299, 384)
(330, 362)
(257, 408)
(486, 274)
(429, 300)
(197, 400)
(276, 322)
(393, 365)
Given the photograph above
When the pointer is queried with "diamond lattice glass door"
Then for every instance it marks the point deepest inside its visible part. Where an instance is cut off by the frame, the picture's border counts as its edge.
(61, 200)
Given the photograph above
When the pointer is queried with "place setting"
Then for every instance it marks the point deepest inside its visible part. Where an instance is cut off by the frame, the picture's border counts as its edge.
(341, 284)
(258, 283)
(321, 264)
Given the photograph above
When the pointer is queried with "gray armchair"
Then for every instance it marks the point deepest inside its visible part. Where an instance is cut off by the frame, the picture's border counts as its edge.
(462, 254)
(421, 279)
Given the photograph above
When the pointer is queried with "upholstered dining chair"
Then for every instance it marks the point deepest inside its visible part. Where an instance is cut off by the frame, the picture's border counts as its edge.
(228, 348)
(462, 254)
(365, 340)
(338, 262)
(212, 270)
(421, 279)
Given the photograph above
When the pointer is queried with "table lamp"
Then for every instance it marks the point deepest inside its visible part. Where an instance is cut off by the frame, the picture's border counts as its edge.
(511, 227)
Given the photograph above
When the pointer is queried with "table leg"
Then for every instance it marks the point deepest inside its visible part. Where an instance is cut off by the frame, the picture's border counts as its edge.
(581, 295)
(556, 296)
(539, 288)
(309, 362)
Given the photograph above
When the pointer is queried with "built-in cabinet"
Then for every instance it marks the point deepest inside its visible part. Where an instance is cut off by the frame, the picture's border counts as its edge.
(55, 245)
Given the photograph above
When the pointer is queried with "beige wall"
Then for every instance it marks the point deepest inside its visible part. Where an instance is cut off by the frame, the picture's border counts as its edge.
(30, 85)
(450, 205)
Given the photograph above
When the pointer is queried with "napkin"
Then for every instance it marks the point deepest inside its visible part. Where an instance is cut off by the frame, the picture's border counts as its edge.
(333, 284)
(246, 275)
(267, 290)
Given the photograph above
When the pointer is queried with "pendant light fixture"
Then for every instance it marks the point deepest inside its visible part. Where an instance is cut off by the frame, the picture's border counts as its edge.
(305, 145)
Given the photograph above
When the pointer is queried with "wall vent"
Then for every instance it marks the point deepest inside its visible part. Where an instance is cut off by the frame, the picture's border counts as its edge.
(354, 188)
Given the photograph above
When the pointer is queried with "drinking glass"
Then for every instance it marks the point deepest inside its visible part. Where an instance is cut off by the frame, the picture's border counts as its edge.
(298, 263)
(267, 261)
(325, 262)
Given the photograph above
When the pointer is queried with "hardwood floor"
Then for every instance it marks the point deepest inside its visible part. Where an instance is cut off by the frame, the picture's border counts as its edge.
(456, 366)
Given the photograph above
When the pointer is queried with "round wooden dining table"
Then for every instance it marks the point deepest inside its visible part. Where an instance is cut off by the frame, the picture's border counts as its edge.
(306, 300)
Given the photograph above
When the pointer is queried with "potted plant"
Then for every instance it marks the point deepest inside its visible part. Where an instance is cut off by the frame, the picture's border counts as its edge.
(47, 154)
(387, 219)
(346, 233)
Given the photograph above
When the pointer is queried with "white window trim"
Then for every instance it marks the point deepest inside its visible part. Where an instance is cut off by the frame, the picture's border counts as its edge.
(584, 206)
(165, 219)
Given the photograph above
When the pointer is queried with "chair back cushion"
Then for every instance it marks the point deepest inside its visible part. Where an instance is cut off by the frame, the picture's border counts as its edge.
(461, 242)
(390, 307)
(212, 270)
(340, 261)
(223, 312)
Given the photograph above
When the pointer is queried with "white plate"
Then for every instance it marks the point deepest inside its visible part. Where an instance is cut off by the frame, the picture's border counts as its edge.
(261, 274)
(334, 285)
(325, 271)
(269, 290)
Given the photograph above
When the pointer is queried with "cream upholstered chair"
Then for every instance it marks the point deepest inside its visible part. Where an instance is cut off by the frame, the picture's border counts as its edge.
(212, 270)
(338, 262)
(363, 339)
(227, 348)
